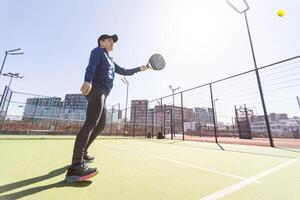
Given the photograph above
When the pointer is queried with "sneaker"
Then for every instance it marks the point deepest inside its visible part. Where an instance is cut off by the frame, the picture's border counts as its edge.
(80, 172)
(88, 158)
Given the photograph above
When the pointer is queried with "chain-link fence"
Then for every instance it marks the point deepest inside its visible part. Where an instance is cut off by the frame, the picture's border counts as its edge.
(229, 110)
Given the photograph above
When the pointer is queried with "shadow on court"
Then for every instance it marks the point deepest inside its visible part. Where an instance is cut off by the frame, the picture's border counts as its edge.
(30, 191)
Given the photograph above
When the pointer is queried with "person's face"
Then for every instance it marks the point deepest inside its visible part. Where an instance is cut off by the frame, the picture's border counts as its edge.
(107, 44)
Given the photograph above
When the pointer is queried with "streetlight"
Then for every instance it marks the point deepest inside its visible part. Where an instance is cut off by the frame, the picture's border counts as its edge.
(12, 75)
(10, 52)
(127, 85)
(173, 91)
(241, 7)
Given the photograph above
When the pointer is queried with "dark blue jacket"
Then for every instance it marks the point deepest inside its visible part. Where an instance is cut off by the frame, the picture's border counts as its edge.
(101, 70)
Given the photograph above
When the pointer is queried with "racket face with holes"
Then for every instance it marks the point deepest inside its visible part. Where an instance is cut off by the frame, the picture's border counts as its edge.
(156, 62)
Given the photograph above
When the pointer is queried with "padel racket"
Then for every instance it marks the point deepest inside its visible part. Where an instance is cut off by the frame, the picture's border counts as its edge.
(156, 62)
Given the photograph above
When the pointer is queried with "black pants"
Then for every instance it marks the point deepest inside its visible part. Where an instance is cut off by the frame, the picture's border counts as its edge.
(93, 125)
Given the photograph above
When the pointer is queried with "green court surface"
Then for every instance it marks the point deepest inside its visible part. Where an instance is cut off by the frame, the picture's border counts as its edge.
(33, 167)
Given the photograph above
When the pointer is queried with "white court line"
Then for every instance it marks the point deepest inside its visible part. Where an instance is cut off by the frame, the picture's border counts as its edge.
(180, 163)
(221, 193)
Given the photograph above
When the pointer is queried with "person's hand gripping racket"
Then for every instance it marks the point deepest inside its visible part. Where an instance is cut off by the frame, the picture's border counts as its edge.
(143, 68)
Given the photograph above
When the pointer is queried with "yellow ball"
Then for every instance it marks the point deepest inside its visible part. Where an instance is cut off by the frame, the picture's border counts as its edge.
(280, 13)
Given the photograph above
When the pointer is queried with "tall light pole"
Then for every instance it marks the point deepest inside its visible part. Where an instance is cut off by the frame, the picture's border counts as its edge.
(10, 52)
(12, 75)
(127, 84)
(243, 10)
(173, 91)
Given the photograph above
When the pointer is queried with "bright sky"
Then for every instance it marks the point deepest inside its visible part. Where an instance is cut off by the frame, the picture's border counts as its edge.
(201, 41)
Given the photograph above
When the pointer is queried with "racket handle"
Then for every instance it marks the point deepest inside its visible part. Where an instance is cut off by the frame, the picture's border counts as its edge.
(148, 65)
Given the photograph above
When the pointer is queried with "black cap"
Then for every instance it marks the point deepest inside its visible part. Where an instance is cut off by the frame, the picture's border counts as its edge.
(105, 36)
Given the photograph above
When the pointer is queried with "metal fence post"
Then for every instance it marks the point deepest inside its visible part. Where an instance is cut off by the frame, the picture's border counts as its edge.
(233, 127)
(152, 115)
(152, 135)
(164, 119)
(161, 109)
(171, 122)
(3, 99)
(182, 115)
(247, 119)
(57, 117)
(6, 108)
(2, 103)
(134, 120)
(237, 121)
(118, 120)
(111, 120)
(298, 101)
(125, 124)
(213, 112)
(34, 114)
(146, 120)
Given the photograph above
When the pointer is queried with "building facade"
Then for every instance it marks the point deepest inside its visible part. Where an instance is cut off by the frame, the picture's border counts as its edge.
(74, 107)
(46, 108)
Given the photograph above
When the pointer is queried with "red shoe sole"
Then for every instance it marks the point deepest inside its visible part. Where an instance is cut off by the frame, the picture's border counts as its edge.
(83, 178)
(72, 179)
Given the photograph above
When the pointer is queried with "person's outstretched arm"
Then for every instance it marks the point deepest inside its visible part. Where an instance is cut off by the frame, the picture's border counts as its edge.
(128, 72)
